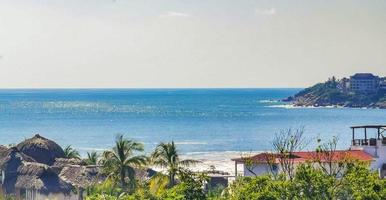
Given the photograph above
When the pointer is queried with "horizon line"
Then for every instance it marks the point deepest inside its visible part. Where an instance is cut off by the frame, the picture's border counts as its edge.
(137, 88)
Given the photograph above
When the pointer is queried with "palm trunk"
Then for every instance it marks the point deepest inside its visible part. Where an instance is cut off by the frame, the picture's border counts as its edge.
(122, 179)
(80, 193)
(171, 179)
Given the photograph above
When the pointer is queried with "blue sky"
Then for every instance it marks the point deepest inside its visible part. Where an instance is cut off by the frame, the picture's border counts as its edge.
(188, 43)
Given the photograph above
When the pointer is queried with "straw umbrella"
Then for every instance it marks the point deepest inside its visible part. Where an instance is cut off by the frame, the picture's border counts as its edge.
(41, 149)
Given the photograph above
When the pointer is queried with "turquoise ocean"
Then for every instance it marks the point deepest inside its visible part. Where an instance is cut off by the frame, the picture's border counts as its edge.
(198, 120)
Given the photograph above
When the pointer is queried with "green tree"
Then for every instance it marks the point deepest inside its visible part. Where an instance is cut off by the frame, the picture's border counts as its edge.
(311, 183)
(120, 162)
(190, 187)
(70, 152)
(92, 158)
(287, 142)
(361, 183)
(166, 156)
(257, 188)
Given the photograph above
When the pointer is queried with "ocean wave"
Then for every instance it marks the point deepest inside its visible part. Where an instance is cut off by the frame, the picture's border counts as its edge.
(84, 106)
(287, 106)
(291, 106)
(268, 101)
(91, 149)
(190, 143)
(217, 153)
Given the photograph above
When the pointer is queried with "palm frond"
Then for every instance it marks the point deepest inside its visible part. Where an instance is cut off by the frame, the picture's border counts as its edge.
(70, 152)
(189, 162)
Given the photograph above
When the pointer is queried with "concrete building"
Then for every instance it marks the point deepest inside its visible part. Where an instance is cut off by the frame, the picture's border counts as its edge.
(373, 142)
(382, 85)
(265, 163)
(368, 147)
(364, 83)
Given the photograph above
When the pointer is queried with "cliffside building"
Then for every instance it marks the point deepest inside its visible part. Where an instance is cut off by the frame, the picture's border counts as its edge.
(364, 83)
(382, 85)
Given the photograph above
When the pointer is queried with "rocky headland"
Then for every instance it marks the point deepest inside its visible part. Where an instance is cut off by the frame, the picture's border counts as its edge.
(332, 93)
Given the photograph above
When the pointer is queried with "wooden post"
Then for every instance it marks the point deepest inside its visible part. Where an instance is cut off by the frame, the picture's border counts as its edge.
(365, 135)
(235, 169)
(379, 133)
(353, 136)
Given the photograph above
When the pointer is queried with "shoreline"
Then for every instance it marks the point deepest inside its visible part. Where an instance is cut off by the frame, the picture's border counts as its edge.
(220, 160)
(292, 106)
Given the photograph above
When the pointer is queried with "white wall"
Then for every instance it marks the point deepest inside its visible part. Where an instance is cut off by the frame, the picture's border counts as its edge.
(378, 152)
(258, 169)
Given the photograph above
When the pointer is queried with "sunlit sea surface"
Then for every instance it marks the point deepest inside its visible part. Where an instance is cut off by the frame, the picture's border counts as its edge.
(200, 121)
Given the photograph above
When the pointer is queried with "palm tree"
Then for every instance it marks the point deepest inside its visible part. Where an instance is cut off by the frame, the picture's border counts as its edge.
(120, 162)
(70, 152)
(92, 158)
(166, 156)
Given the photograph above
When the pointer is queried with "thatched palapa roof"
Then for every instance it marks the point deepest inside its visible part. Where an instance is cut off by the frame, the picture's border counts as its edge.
(81, 176)
(3, 151)
(62, 162)
(39, 164)
(41, 149)
(41, 177)
(10, 163)
(12, 158)
(144, 174)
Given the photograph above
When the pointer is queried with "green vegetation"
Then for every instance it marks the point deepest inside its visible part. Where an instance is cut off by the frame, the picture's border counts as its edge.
(345, 179)
(330, 94)
(70, 152)
(166, 156)
(92, 158)
(119, 163)
(312, 183)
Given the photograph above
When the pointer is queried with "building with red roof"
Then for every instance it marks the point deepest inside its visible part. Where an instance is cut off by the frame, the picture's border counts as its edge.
(260, 163)
(369, 147)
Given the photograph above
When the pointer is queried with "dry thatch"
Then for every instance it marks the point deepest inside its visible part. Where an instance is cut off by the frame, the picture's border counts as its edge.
(38, 164)
(62, 162)
(81, 176)
(11, 161)
(3, 151)
(12, 158)
(41, 177)
(144, 174)
(41, 149)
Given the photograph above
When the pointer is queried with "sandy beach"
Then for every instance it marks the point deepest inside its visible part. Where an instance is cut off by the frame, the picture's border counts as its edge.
(220, 160)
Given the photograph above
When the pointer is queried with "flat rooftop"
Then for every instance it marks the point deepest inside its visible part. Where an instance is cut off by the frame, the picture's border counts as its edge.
(369, 126)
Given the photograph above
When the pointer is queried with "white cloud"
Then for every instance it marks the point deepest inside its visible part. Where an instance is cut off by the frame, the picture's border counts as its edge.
(174, 14)
(271, 11)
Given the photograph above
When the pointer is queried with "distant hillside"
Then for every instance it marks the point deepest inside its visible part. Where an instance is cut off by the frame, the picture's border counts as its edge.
(329, 94)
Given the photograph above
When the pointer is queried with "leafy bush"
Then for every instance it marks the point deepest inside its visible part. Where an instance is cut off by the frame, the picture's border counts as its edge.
(191, 187)
(310, 182)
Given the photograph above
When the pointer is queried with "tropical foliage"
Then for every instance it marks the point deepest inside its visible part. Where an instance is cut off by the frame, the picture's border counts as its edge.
(92, 158)
(312, 183)
(348, 180)
(167, 157)
(70, 152)
(119, 163)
